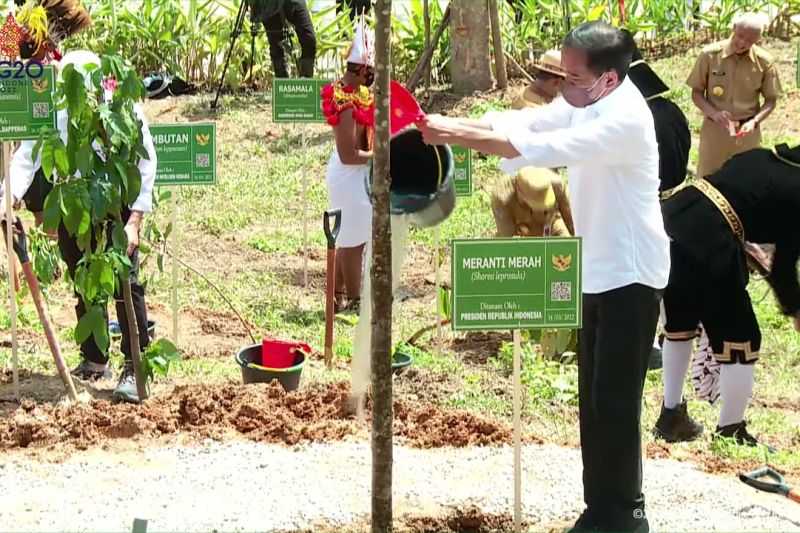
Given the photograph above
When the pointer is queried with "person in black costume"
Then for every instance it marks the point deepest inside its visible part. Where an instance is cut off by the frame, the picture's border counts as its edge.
(752, 198)
(674, 141)
(274, 14)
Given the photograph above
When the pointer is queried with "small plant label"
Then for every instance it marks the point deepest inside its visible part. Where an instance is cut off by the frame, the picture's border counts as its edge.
(502, 284)
(26, 100)
(187, 153)
(297, 100)
(462, 175)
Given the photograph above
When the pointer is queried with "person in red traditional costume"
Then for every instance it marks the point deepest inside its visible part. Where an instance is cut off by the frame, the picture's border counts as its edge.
(349, 106)
(42, 25)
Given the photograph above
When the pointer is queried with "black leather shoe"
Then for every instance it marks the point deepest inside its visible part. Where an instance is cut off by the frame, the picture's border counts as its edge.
(738, 432)
(675, 425)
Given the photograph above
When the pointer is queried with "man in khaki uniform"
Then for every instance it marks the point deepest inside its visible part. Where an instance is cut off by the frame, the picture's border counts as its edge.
(546, 84)
(728, 81)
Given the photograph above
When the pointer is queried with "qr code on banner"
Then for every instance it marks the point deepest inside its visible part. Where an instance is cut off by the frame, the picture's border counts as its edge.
(202, 161)
(41, 109)
(561, 291)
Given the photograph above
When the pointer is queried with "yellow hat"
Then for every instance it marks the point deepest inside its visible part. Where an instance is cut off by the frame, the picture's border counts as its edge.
(534, 188)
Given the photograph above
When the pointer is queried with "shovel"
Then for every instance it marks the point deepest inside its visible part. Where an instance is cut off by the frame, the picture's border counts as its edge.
(768, 480)
(331, 233)
(21, 249)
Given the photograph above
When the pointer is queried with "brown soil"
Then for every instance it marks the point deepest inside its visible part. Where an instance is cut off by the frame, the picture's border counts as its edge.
(478, 347)
(470, 520)
(257, 412)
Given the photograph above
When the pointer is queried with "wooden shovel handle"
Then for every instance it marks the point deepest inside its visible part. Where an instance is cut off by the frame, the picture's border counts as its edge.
(49, 332)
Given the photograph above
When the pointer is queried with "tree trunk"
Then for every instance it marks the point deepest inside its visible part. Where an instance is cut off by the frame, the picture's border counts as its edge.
(426, 13)
(497, 40)
(470, 65)
(427, 56)
(381, 273)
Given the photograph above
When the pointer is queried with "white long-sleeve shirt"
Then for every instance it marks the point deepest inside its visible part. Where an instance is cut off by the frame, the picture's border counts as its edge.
(23, 168)
(611, 155)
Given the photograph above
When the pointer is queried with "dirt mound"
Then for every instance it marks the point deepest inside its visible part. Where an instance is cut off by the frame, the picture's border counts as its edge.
(432, 427)
(471, 520)
(258, 412)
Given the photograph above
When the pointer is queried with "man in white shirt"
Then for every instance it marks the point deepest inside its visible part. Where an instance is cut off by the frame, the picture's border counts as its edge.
(603, 132)
(28, 183)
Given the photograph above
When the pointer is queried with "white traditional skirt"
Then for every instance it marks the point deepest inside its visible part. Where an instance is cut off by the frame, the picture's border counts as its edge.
(347, 191)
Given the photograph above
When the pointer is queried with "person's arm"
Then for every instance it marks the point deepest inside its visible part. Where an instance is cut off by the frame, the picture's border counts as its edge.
(698, 82)
(22, 171)
(347, 142)
(771, 90)
(783, 278)
(144, 202)
(564, 206)
(502, 197)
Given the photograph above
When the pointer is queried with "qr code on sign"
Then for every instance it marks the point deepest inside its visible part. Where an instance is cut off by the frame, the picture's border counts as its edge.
(41, 109)
(202, 160)
(561, 291)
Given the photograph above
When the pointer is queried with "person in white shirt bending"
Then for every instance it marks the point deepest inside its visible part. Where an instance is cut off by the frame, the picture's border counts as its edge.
(603, 132)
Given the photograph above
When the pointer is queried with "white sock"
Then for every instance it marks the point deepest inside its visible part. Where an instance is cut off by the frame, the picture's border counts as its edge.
(676, 357)
(736, 387)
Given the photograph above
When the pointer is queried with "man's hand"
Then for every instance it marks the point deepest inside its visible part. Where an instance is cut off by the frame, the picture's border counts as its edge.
(723, 118)
(437, 129)
(747, 128)
(797, 322)
(132, 231)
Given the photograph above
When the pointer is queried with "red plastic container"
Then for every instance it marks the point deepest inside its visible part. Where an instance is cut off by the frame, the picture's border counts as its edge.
(404, 108)
(276, 353)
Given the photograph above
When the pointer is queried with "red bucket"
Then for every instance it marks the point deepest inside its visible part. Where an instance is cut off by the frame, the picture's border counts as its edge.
(281, 354)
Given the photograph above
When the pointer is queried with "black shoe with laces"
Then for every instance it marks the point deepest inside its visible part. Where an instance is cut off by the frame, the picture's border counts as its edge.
(89, 371)
(738, 432)
(675, 425)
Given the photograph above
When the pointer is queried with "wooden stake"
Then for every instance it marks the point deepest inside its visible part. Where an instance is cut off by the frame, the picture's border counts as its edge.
(12, 297)
(497, 39)
(427, 55)
(437, 236)
(517, 434)
(305, 216)
(175, 310)
(426, 14)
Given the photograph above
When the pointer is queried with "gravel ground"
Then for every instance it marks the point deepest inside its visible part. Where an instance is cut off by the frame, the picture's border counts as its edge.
(246, 486)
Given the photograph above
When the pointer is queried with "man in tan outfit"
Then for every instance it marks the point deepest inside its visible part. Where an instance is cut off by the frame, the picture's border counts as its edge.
(548, 75)
(728, 81)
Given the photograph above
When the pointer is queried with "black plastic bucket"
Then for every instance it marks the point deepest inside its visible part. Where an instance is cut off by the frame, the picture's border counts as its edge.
(289, 378)
(422, 179)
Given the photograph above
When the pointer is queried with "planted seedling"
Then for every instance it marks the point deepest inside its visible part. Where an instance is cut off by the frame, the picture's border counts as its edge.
(95, 176)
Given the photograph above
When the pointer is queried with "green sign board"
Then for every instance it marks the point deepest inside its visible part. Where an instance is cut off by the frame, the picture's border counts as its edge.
(26, 102)
(501, 284)
(187, 153)
(462, 174)
(297, 100)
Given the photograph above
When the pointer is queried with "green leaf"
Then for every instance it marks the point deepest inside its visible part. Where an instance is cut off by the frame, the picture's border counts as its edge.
(83, 159)
(118, 236)
(134, 179)
(89, 323)
(52, 209)
(61, 161)
(74, 89)
(48, 159)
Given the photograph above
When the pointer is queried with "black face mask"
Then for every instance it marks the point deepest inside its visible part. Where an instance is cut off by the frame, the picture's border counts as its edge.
(369, 78)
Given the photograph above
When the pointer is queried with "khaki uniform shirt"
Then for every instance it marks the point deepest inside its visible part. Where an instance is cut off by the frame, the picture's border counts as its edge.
(528, 98)
(515, 219)
(732, 83)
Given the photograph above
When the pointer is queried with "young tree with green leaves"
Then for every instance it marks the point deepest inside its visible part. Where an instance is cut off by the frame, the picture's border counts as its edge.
(95, 173)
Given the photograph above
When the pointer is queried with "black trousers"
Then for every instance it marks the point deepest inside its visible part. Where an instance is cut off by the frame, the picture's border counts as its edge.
(296, 13)
(618, 329)
(89, 349)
